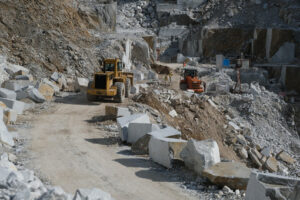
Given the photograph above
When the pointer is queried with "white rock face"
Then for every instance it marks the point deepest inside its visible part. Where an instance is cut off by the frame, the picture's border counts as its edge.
(138, 130)
(91, 194)
(199, 155)
(164, 150)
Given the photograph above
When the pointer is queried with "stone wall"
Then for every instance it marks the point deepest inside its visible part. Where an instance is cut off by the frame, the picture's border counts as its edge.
(272, 45)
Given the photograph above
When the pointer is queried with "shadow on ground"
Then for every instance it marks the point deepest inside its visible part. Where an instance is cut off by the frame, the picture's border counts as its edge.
(75, 98)
(101, 118)
(134, 162)
(104, 141)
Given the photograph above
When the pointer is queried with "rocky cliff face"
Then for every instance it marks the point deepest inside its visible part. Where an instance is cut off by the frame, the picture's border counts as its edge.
(54, 35)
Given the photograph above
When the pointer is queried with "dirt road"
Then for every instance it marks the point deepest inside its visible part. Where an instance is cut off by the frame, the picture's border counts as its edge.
(72, 153)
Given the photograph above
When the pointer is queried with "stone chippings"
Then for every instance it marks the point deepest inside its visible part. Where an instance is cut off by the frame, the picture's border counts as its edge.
(264, 119)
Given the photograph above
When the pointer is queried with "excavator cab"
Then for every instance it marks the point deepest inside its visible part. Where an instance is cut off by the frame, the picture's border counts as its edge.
(191, 81)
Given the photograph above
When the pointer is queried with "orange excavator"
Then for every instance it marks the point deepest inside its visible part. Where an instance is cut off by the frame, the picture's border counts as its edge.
(191, 81)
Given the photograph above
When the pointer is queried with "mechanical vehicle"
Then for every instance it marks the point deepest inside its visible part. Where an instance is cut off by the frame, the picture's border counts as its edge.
(191, 81)
(112, 82)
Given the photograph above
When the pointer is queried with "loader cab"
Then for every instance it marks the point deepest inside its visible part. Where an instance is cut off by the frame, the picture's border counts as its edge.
(112, 65)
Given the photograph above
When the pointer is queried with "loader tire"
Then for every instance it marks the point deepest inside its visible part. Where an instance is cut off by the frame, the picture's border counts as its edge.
(89, 96)
(120, 92)
(127, 88)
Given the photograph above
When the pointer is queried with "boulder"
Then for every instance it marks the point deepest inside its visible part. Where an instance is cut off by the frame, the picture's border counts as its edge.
(173, 113)
(286, 157)
(50, 83)
(55, 76)
(9, 94)
(91, 194)
(116, 112)
(164, 150)
(17, 106)
(135, 89)
(199, 155)
(4, 174)
(152, 75)
(265, 186)
(243, 153)
(81, 84)
(46, 90)
(138, 75)
(5, 136)
(35, 95)
(271, 164)
(55, 193)
(233, 174)
(123, 123)
(16, 84)
(138, 130)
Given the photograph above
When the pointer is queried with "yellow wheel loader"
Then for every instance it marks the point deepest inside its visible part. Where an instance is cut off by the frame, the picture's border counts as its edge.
(113, 82)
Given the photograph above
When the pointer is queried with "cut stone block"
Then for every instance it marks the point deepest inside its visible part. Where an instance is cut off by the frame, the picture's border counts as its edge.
(265, 186)
(138, 130)
(5, 136)
(123, 123)
(2, 105)
(17, 106)
(16, 84)
(164, 150)
(168, 132)
(11, 116)
(35, 95)
(199, 155)
(21, 94)
(9, 94)
(116, 111)
(232, 174)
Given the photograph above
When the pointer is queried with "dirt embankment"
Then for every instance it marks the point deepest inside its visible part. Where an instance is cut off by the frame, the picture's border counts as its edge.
(196, 119)
(50, 35)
